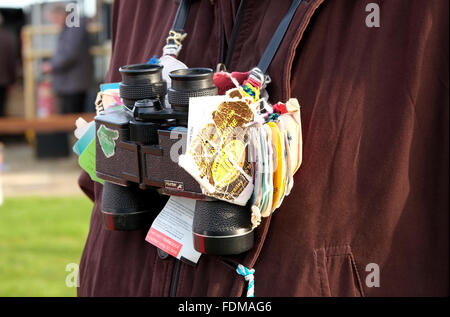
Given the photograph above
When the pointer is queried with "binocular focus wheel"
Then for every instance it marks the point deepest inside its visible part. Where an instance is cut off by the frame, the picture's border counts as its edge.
(137, 92)
(180, 97)
(221, 228)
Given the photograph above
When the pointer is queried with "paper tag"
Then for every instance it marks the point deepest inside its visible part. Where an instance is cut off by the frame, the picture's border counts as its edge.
(81, 126)
(170, 63)
(171, 231)
(87, 161)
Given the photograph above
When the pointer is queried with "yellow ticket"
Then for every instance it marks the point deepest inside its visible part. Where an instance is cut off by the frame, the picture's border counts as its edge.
(278, 173)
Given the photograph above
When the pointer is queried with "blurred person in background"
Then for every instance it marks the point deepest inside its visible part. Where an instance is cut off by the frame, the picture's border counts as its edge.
(71, 66)
(7, 64)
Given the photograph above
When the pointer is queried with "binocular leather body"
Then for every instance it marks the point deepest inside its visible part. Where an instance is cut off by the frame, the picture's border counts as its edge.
(133, 171)
(148, 165)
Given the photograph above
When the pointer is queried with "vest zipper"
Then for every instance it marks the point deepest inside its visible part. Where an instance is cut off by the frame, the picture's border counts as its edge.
(175, 278)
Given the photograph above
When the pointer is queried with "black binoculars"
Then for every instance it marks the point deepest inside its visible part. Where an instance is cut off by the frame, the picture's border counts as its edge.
(136, 155)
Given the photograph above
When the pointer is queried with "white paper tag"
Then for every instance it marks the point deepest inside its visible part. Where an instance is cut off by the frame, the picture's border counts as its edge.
(169, 64)
(82, 127)
(171, 231)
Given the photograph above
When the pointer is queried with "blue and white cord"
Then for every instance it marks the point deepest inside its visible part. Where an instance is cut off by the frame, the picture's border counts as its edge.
(249, 276)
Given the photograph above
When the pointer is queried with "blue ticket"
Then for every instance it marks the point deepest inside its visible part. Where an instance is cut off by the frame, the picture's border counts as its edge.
(106, 86)
(84, 141)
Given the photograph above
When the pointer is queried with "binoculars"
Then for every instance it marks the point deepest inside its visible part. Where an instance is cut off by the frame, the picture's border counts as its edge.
(135, 150)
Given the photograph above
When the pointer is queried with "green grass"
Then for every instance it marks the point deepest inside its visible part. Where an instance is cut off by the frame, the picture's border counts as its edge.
(38, 238)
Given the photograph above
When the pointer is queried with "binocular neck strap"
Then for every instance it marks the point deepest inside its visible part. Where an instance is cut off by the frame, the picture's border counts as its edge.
(277, 37)
(176, 33)
(274, 43)
(182, 15)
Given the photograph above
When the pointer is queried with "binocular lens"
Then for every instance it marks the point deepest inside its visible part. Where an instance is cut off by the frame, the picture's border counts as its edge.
(191, 82)
(221, 228)
(128, 207)
(141, 81)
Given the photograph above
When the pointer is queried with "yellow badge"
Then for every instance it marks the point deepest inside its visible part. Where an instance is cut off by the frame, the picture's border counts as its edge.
(223, 170)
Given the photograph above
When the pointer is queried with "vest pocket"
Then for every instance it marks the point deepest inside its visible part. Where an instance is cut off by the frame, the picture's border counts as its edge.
(337, 272)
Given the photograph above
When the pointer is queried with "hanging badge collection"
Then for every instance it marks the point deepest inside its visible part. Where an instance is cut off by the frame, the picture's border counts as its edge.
(244, 150)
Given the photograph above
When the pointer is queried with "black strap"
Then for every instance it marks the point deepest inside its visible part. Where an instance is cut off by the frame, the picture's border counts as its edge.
(272, 47)
(274, 43)
(182, 15)
(277, 37)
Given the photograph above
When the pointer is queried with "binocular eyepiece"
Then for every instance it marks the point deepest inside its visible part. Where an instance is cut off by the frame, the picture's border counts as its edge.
(187, 83)
(133, 157)
(141, 81)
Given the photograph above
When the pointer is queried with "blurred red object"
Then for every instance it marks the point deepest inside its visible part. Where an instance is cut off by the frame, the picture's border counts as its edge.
(223, 82)
(45, 99)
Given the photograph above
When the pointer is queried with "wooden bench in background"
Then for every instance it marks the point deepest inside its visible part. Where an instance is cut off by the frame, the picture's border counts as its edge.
(54, 123)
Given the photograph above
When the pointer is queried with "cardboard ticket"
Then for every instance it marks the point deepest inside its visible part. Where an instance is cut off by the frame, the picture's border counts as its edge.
(216, 153)
(171, 231)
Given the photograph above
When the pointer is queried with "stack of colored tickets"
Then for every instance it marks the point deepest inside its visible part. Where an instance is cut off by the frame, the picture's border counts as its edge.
(276, 150)
(242, 155)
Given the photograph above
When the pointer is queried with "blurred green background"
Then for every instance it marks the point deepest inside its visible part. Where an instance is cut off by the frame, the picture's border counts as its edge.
(39, 236)
(44, 216)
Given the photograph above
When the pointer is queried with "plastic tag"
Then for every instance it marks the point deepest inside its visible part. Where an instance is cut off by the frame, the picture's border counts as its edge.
(171, 231)
(106, 86)
(255, 146)
(268, 172)
(283, 164)
(85, 139)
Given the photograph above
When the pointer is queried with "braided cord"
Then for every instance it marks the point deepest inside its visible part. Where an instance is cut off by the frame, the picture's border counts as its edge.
(249, 276)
